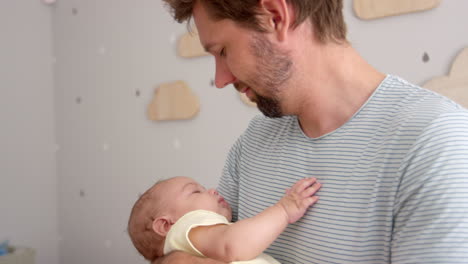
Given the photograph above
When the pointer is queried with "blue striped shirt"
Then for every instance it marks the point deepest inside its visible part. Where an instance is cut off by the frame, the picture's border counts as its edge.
(395, 181)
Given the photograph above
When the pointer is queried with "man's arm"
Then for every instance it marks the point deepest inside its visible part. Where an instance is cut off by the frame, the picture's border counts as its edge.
(179, 257)
(431, 210)
(247, 238)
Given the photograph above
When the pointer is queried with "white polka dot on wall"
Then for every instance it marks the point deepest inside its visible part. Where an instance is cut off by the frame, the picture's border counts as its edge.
(102, 50)
(173, 38)
(105, 147)
(48, 2)
(56, 147)
(108, 243)
(176, 143)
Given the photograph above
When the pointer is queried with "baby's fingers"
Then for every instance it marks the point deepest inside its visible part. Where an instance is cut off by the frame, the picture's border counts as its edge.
(303, 184)
(309, 191)
(309, 201)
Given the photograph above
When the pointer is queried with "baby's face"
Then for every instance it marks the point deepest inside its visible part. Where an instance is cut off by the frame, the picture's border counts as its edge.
(185, 195)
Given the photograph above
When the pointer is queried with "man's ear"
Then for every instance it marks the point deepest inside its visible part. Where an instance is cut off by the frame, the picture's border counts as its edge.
(276, 15)
(161, 225)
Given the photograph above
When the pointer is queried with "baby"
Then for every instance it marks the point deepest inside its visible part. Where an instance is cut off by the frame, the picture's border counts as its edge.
(180, 214)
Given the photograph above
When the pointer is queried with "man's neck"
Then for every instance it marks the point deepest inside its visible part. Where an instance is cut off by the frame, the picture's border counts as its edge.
(340, 83)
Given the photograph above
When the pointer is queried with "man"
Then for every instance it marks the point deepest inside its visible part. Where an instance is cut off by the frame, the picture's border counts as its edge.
(392, 157)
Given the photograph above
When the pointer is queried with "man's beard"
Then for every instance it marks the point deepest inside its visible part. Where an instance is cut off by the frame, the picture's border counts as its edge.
(273, 70)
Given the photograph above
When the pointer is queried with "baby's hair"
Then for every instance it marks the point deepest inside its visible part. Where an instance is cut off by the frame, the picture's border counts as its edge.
(140, 224)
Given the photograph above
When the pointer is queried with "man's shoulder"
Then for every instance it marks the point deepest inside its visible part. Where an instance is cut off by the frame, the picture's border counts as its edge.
(261, 123)
(417, 104)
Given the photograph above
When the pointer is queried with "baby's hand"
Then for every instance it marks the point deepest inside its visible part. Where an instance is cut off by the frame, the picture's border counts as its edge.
(299, 197)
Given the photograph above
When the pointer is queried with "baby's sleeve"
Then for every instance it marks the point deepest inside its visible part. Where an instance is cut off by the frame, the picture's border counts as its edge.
(178, 236)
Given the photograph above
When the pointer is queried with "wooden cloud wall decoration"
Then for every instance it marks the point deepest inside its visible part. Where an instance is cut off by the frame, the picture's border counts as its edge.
(455, 84)
(371, 9)
(173, 101)
(189, 46)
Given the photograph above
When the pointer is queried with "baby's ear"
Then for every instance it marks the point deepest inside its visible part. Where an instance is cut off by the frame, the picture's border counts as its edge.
(161, 225)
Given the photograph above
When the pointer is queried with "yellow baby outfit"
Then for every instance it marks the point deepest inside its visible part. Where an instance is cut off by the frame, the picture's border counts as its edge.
(177, 238)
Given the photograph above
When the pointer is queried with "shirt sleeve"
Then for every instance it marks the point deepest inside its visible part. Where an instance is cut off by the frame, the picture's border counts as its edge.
(228, 186)
(431, 209)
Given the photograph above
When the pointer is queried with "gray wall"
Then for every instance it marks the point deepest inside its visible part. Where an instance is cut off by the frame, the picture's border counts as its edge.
(109, 151)
(106, 51)
(28, 180)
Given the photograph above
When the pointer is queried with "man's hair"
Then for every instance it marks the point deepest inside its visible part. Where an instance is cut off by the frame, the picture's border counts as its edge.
(326, 16)
(140, 225)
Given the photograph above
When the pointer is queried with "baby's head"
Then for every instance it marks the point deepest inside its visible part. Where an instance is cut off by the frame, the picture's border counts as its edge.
(162, 205)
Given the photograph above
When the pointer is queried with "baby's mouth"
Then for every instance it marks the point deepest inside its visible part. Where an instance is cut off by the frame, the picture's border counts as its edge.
(221, 200)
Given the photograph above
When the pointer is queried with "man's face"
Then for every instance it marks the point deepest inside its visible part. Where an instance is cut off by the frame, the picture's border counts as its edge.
(246, 59)
(184, 195)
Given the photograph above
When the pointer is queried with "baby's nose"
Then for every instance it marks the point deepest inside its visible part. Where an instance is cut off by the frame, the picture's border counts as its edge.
(212, 191)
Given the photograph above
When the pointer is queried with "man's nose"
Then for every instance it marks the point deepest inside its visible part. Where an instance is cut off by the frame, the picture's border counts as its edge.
(223, 75)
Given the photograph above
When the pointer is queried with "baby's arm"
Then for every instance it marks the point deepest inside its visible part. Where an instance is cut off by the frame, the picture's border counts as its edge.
(184, 258)
(246, 239)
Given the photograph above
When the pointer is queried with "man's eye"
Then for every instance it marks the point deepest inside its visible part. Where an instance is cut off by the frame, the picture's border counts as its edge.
(196, 192)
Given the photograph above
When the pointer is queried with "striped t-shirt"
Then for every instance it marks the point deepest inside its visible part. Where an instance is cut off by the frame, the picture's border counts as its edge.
(395, 181)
